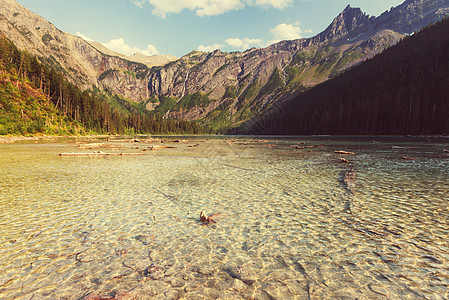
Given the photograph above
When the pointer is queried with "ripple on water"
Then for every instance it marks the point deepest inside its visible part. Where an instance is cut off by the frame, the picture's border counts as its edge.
(291, 227)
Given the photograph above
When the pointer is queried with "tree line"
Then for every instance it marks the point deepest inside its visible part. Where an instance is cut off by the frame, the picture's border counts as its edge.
(96, 110)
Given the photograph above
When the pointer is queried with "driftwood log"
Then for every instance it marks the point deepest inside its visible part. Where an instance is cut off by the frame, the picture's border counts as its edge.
(344, 152)
(408, 158)
(100, 154)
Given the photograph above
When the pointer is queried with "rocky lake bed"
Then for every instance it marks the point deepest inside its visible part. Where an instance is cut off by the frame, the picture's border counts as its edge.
(297, 218)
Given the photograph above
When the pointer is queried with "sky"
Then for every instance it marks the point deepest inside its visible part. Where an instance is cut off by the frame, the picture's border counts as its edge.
(176, 27)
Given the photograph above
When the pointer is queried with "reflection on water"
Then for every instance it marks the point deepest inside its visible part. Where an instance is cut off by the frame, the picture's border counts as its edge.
(296, 223)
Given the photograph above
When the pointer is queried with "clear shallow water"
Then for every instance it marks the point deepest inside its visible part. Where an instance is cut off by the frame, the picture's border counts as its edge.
(291, 226)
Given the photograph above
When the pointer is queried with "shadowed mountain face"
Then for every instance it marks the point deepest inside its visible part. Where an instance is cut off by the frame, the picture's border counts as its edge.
(401, 91)
(224, 89)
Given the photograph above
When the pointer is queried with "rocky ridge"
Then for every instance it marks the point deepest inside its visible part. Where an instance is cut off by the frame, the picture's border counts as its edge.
(149, 61)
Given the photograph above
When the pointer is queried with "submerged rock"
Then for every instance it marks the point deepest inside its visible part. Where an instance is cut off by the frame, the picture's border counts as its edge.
(241, 274)
(145, 239)
(126, 295)
(154, 272)
(172, 294)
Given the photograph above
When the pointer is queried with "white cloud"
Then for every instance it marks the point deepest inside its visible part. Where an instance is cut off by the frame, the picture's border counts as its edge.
(138, 3)
(245, 43)
(210, 48)
(202, 8)
(87, 39)
(279, 4)
(217, 7)
(119, 46)
(287, 32)
(280, 32)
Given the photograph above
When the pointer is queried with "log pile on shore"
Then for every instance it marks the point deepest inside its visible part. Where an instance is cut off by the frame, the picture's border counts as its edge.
(99, 153)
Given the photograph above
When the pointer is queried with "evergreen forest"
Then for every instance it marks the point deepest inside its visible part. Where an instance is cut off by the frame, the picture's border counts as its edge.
(403, 90)
(36, 98)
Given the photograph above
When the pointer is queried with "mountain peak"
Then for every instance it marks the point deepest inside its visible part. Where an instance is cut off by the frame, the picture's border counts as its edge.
(349, 7)
(347, 21)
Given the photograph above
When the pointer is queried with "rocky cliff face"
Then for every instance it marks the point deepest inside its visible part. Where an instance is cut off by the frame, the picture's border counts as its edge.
(413, 15)
(82, 63)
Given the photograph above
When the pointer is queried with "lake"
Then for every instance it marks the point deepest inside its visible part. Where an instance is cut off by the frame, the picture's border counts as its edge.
(295, 222)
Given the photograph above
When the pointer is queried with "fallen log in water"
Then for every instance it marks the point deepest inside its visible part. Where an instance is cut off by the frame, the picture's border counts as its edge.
(402, 147)
(344, 152)
(408, 158)
(96, 145)
(157, 147)
(100, 154)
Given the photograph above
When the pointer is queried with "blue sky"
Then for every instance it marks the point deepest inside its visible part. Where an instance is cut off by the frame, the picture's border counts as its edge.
(177, 27)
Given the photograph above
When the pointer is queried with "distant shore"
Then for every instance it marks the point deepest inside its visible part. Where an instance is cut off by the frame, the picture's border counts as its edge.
(19, 138)
(10, 139)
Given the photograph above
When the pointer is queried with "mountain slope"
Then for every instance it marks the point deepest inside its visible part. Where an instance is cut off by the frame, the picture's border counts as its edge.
(82, 63)
(234, 87)
(25, 109)
(404, 90)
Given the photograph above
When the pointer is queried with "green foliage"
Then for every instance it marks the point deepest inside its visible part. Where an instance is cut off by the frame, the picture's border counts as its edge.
(321, 53)
(130, 73)
(166, 103)
(274, 84)
(221, 68)
(189, 101)
(325, 67)
(106, 74)
(36, 98)
(220, 119)
(245, 114)
(294, 77)
(25, 110)
(302, 57)
(348, 56)
(52, 63)
(46, 38)
(250, 92)
(231, 92)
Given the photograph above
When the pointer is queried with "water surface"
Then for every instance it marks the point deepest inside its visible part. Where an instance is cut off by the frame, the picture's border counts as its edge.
(296, 223)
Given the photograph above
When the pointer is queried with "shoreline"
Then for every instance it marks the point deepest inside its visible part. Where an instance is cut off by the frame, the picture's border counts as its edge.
(10, 139)
(20, 138)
